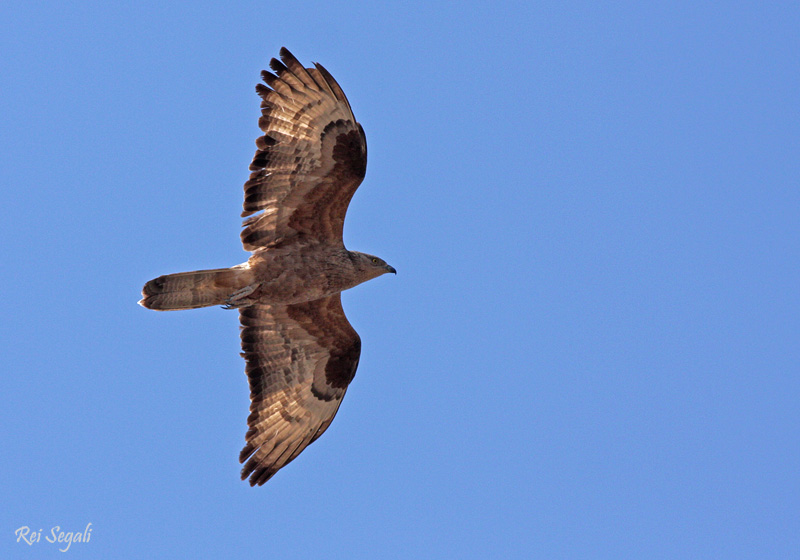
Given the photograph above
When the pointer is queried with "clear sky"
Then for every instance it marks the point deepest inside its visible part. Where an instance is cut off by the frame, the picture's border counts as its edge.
(591, 348)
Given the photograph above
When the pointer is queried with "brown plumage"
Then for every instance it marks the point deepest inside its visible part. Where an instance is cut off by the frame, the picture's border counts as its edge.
(300, 351)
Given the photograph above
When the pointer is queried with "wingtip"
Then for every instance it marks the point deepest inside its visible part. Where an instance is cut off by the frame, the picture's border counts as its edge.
(269, 78)
(284, 53)
(277, 66)
(256, 477)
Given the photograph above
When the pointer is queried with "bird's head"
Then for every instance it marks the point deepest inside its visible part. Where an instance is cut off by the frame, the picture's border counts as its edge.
(371, 265)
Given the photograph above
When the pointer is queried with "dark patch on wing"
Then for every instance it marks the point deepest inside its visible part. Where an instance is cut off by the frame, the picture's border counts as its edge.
(323, 209)
(323, 321)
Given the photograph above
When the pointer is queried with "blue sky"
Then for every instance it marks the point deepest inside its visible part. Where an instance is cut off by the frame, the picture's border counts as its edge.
(591, 347)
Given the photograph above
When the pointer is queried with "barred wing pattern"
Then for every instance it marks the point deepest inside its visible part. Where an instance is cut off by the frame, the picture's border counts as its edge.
(308, 163)
(300, 360)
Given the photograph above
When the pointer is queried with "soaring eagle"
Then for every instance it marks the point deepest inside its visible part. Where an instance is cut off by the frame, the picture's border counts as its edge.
(300, 351)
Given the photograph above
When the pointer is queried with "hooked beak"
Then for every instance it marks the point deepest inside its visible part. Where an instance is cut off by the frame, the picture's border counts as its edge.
(390, 269)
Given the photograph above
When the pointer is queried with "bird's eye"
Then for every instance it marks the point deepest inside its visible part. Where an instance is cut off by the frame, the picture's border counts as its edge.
(374, 261)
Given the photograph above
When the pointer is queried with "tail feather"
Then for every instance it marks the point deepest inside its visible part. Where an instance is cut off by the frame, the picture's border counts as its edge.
(190, 290)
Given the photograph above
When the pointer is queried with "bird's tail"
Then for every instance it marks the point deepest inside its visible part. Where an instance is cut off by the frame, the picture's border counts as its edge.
(190, 290)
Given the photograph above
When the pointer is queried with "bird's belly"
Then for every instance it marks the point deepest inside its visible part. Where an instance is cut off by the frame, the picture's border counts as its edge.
(295, 284)
(276, 292)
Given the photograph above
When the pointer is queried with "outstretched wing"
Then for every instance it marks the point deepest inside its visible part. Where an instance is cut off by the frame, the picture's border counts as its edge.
(300, 359)
(310, 161)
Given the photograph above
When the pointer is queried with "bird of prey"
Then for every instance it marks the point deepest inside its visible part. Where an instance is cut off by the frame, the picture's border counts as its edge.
(300, 351)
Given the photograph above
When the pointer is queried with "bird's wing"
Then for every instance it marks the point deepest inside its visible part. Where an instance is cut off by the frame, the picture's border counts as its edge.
(300, 359)
(308, 163)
